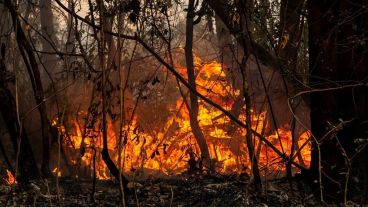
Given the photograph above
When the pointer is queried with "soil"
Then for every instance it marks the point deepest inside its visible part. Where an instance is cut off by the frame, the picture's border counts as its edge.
(183, 191)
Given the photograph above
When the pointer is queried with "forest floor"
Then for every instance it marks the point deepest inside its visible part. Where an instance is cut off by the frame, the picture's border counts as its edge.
(183, 191)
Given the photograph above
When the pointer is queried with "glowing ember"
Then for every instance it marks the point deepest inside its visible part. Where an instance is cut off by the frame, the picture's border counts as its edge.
(10, 180)
(56, 172)
(168, 150)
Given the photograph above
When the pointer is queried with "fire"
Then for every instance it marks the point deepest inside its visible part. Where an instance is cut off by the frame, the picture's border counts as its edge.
(10, 180)
(167, 150)
(56, 172)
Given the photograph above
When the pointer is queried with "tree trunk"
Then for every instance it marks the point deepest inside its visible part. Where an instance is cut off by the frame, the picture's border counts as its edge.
(49, 62)
(32, 68)
(26, 163)
(105, 150)
(48, 41)
(194, 108)
(338, 54)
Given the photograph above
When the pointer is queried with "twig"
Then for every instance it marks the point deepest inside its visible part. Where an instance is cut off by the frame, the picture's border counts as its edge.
(318, 90)
(58, 159)
(172, 196)
(135, 191)
(94, 175)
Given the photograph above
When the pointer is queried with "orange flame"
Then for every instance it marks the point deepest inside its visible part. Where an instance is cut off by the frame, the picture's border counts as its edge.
(167, 150)
(10, 180)
(56, 172)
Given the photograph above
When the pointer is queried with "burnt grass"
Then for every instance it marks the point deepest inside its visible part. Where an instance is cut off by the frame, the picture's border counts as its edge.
(184, 191)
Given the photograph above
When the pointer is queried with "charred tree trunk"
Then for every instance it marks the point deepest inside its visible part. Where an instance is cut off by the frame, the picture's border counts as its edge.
(34, 74)
(26, 163)
(194, 108)
(48, 41)
(70, 43)
(338, 54)
(48, 38)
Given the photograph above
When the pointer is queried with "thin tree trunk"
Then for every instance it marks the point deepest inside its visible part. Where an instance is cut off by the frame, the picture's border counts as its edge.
(105, 150)
(48, 40)
(26, 163)
(48, 61)
(194, 108)
(34, 74)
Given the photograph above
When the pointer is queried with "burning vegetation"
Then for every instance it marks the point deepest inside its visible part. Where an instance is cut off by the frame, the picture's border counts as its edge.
(172, 148)
(218, 102)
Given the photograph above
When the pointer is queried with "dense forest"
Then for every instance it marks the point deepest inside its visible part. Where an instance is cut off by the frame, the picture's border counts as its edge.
(183, 103)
